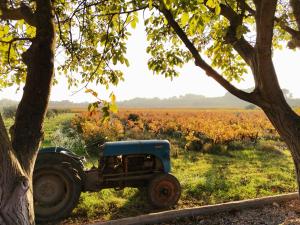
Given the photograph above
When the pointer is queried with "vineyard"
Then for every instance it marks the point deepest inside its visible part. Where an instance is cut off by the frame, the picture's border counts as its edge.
(198, 130)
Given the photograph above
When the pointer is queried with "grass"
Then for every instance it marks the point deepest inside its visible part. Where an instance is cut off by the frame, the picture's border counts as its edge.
(205, 178)
(50, 126)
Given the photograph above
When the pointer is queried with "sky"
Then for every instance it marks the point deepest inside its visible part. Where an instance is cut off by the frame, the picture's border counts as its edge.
(140, 82)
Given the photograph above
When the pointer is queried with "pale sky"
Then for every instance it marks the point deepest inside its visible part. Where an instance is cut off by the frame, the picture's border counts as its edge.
(140, 82)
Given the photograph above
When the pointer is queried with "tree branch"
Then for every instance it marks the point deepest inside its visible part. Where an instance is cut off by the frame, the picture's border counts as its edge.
(295, 42)
(245, 50)
(123, 12)
(78, 8)
(295, 4)
(265, 17)
(23, 12)
(250, 97)
(10, 44)
(4, 138)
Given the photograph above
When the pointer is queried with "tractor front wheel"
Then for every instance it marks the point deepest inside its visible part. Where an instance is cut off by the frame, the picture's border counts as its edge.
(164, 191)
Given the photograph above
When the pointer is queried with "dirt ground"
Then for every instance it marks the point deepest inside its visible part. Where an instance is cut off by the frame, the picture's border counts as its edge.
(284, 214)
(287, 213)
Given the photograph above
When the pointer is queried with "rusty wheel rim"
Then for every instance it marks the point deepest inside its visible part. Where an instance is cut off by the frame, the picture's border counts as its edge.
(164, 192)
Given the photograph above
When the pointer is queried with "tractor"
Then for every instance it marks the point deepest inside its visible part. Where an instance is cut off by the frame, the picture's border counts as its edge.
(60, 176)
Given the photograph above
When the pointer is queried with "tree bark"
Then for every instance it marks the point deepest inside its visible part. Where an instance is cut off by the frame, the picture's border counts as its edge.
(14, 185)
(287, 123)
(18, 154)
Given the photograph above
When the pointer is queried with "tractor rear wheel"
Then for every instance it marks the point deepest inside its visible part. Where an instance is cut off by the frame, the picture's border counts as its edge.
(56, 189)
(164, 191)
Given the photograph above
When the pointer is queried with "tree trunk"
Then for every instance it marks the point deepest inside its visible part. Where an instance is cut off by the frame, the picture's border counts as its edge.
(18, 155)
(14, 185)
(287, 123)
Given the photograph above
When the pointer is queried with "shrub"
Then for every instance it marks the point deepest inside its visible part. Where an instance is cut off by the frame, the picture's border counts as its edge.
(268, 146)
(237, 145)
(133, 117)
(51, 113)
(94, 132)
(66, 136)
(9, 112)
(194, 145)
(250, 107)
(195, 141)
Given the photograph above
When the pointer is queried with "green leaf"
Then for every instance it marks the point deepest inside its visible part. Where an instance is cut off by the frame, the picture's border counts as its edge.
(165, 21)
(168, 3)
(240, 31)
(150, 4)
(185, 18)
(114, 59)
(217, 9)
(127, 62)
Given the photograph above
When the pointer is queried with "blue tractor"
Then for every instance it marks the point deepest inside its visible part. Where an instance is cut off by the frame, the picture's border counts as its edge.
(59, 175)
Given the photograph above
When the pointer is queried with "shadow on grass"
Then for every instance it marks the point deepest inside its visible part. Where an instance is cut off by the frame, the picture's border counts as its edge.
(135, 205)
(213, 184)
(242, 174)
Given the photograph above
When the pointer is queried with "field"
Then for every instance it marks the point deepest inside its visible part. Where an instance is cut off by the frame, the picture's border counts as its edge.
(217, 155)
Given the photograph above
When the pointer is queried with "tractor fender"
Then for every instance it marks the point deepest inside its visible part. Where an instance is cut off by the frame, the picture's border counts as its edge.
(56, 155)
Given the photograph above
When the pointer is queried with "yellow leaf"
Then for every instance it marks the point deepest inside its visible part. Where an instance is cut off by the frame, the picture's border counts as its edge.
(185, 18)
(112, 98)
(218, 10)
(113, 108)
(211, 3)
(6, 29)
(94, 93)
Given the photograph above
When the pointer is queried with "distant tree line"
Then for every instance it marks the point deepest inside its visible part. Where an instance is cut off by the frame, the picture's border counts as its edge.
(9, 112)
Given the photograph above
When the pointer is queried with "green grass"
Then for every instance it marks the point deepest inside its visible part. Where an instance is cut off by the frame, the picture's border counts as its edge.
(205, 179)
(210, 179)
(50, 126)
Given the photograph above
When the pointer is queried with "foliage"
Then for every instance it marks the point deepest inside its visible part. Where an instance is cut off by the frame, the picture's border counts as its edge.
(51, 125)
(133, 117)
(68, 138)
(94, 131)
(81, 34)
(54, 112)
(9, 112)
(208, 131)
(97, 31)
(250, 107)
(202, 126)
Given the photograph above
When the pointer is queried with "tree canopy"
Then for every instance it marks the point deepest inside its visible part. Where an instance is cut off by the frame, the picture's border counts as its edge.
(92, 35)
